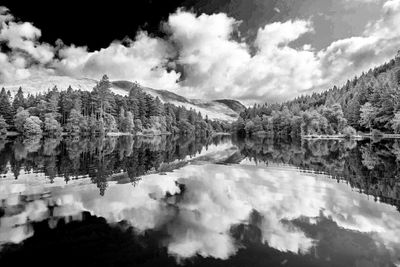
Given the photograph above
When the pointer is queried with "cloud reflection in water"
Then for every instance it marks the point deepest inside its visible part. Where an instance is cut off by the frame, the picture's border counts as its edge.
(199, 204)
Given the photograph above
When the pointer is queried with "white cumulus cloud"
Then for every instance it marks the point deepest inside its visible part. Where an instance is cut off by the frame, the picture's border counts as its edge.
(144, 60)
(205, 56)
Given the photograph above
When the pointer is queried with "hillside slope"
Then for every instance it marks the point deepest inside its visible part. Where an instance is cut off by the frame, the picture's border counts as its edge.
(226, 109)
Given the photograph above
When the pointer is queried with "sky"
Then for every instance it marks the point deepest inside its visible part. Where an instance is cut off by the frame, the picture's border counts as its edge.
(250, 50)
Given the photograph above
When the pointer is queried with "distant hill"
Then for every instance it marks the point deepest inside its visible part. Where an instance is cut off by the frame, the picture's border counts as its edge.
(224, 109)
(233, 104)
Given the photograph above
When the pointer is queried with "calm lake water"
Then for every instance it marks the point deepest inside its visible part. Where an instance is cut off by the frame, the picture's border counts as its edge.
(186, 202)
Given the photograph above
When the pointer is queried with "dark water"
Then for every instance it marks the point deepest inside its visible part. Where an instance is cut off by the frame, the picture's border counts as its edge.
(187, 202)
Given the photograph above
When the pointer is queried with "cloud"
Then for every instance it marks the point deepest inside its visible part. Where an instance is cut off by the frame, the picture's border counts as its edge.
(5, 14)
(212, 63)
(144, 60)
(277, 70)
(211, 60)
(217, 65)
(23, 37)
(205, 56)
(391, 5)
(349, 57)
(25, 55)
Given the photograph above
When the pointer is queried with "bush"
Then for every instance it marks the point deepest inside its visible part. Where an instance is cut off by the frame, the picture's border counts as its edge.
(51, 125)
(349, 131)
(3, 126)
(138, 125)
(32, 126)
(110, 125)
(20, 119)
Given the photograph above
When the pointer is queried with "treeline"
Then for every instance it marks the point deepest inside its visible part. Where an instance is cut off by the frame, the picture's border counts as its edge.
(369, 103)
(98, 112)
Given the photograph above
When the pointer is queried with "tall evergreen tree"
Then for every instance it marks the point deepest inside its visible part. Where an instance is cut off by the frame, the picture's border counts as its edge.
(5, 107)
(103, 96)
(19, 100)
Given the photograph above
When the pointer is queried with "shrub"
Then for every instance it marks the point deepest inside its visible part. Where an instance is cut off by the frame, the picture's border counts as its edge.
(51, 125)
(32, 126)
(349, 131)
(20, 119)
(3, 126)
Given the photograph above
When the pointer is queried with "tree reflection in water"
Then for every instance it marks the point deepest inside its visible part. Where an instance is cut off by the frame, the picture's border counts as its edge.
(371, 167)
(123, 158)
(282, 211)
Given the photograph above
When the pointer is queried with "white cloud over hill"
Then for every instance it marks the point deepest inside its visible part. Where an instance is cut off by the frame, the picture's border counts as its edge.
(203, 56)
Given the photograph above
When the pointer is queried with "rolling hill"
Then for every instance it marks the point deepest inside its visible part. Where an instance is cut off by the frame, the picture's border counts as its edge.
(223, 109)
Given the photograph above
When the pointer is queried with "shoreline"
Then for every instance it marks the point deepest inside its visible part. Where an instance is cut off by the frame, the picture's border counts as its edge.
(221, 134)
(354, 137)
(116, 134)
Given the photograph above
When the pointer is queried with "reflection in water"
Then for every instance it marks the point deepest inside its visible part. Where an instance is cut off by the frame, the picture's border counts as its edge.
(101, 159)
(372, 168)
(204, 214)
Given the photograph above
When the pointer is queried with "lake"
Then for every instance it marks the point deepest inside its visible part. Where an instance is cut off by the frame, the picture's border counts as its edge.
(222, 201)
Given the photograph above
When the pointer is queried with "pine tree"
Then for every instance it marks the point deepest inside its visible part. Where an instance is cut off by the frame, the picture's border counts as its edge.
(121, 120)
(143, 109)
(74, 121)
(5, 107)
(156, 107)
(66, 104)
(133, 100)
(130, 125)
(149, 106)
(103, 96)
(19, 100)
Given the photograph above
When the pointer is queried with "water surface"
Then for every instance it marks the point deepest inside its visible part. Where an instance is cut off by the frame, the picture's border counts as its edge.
(187, 202)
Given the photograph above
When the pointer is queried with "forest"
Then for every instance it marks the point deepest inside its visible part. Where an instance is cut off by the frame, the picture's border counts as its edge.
(98, 112)
(369, 104)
